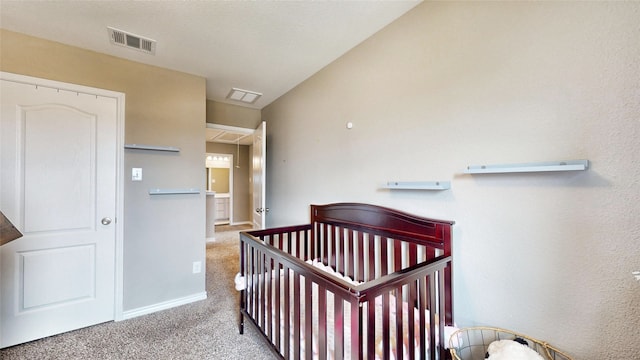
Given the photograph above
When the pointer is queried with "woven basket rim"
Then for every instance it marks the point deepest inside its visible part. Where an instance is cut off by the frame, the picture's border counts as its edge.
(544, 344)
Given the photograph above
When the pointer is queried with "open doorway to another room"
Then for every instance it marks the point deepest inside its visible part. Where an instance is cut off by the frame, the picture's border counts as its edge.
(220, 181)
(236, 145)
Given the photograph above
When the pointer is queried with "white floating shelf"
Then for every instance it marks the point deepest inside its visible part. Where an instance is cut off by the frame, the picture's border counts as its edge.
(570, 165)
(418, 185)
(173, 191)
(151, 147)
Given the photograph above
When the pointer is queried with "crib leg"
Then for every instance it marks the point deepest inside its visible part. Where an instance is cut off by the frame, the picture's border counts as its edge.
(241, 322)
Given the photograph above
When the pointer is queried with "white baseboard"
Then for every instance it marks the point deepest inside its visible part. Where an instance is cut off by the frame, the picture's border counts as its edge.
(129, 314)
(242, 223)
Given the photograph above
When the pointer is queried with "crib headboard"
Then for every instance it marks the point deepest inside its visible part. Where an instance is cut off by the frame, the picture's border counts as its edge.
(386, 222)
(327, 231)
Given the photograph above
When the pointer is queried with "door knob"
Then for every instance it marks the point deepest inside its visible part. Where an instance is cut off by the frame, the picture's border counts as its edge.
(106, 221)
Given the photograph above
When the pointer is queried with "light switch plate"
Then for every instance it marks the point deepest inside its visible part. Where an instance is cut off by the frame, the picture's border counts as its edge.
(136, 174)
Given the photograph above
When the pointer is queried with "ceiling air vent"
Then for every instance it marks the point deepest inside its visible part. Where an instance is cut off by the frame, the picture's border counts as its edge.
(123, 38)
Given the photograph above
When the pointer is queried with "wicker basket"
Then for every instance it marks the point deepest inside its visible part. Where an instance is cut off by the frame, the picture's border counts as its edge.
(472, 343)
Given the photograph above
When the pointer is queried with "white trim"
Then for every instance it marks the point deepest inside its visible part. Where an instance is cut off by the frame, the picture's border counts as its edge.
(119, 276)
(129, 314)
(236, 129)
(242, 223)
(119, 216)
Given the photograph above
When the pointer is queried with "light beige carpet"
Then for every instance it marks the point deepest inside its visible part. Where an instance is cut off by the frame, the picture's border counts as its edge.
(207, 329)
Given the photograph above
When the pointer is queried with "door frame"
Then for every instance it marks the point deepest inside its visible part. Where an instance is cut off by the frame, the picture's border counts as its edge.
(120, 123)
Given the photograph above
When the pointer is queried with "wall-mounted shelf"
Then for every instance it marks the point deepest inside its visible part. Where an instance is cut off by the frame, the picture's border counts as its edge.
(173, 191)
(418, 185)
(570, 165)
(152, 147)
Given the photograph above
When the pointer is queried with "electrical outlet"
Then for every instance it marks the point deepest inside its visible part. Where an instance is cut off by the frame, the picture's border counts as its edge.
(636, 274)
(197, 267)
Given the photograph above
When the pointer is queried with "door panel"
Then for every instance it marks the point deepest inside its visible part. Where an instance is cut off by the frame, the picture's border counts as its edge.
(47, 166)
(259, 176)
(58, 158)
(45, 275)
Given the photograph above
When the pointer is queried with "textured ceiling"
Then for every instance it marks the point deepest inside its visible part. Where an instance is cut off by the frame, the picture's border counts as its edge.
(264, 46)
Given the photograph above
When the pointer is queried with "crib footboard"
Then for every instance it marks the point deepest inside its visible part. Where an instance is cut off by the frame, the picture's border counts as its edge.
(300, 308)
(359, 282)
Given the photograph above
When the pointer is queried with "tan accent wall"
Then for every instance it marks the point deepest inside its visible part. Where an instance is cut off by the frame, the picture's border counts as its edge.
(162, 237)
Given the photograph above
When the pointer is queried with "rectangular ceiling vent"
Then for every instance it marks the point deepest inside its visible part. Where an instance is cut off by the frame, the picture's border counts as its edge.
(123, 38)
(245, 96)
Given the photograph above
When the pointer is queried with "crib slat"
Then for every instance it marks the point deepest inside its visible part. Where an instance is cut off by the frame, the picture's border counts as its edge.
(422, 298)
(325, 244)
(287, 310)
(431, 283)
(397, 255)
(268, 313)
(372, 260)
(371, 325)
(413, 254)
(252, 276)
(338, 322)
(307, 248)
(412, 301)
(262, 295)
(322, 322)
(351, 255)
(386, 333)
(340, 254)
(276, 306)
(331, 245)
(441, 310)
(384, 258)
(308, 316)
(360, 250)
(296, 316)
(356, 323)
(399, 345)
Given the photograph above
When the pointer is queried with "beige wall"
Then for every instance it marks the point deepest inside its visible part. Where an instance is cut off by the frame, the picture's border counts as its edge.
(162, 236)
(452, 84)
(232, 115)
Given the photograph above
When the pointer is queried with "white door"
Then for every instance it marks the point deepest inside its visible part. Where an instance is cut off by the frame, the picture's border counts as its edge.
(58, 186)
(259, 176)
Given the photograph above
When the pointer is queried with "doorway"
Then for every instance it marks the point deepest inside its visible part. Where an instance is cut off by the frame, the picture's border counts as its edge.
(220, 181)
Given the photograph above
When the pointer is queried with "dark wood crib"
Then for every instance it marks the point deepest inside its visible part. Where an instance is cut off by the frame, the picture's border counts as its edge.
(394, 270)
